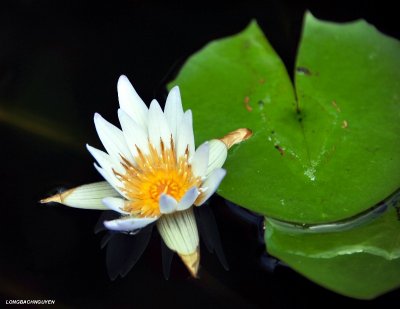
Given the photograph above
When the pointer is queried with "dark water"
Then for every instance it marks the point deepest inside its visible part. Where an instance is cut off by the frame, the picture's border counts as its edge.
(59, 64)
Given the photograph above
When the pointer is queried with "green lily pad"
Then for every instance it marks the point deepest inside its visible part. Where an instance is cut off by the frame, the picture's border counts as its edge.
(323, 152)
(363, 262)
(320, 154)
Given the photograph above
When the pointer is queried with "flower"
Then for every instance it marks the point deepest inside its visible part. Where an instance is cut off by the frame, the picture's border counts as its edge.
(153, 171)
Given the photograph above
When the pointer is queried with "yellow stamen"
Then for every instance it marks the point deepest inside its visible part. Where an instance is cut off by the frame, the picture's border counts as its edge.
(154, 174)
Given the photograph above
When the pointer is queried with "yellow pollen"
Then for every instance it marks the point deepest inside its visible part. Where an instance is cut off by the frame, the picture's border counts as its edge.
(154, 174)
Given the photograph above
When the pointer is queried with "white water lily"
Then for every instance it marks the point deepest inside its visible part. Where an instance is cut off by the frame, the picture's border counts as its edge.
(153, 171)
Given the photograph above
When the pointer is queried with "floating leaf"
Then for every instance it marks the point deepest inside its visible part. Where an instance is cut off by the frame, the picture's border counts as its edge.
(322, 151)
(363, 262)
(327, 155)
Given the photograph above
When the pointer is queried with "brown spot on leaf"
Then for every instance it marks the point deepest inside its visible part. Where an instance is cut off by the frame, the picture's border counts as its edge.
(261, 81)
(345, 124)
(280, 149)
(246, 102)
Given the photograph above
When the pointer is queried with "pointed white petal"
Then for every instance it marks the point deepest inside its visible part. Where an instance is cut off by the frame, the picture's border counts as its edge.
(179, 231)
(86, 196)
(111, 179)
(116, 204)
(173, 110)
(200, 160)
(210, 185)
(158, 126)
(100, 156)
(185, 137)
(130, 101)
(188, 199)
(105, 161)
(112, 138)
(167, 204)
(107, 166)
(128, 223)
(134, 134)
(217, 155)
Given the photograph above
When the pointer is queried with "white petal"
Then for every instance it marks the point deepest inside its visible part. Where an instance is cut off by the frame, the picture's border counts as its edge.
(116, 204)
(130, 101)
(188, 199)
(173, 110)
(167, 204)
(217, 155)
(179, 231)
(210, 185)
(128, 223)
(158, 126)
(185, 137)
(111, 179)
(134, 134)
(199, 161)
(112, 138)
(86, 196)
(107, 166)
(105, 161)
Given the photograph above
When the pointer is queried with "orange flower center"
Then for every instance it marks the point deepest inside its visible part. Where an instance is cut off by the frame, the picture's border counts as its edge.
(154, 174)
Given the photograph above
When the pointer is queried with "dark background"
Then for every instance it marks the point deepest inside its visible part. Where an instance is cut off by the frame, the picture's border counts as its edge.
(59, 63)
